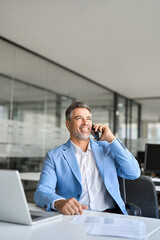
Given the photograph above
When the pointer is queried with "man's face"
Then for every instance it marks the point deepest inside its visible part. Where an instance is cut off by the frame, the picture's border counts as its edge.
(80, 125)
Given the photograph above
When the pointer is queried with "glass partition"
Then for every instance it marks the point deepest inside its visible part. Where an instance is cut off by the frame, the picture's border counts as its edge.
(121, 118)
(134, 128)
(34, 94)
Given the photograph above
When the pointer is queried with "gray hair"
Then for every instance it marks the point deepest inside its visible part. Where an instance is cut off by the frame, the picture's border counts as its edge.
(73, 106)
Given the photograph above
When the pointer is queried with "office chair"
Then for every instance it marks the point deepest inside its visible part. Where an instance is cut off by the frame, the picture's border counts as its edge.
(140, 197)
(131, 208)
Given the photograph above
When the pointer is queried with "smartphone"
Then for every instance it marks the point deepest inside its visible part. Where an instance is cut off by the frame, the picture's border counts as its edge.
(95, 134)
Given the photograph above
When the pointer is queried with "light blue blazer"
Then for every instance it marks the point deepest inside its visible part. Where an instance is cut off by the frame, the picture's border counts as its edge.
(61, 175)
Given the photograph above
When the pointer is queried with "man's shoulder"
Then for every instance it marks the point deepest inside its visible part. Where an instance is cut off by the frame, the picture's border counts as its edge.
(58, 149)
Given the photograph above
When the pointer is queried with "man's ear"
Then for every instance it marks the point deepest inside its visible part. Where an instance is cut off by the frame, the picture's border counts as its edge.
(68, 125)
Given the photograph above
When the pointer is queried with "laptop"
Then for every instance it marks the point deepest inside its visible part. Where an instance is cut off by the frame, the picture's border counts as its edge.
(13, 204)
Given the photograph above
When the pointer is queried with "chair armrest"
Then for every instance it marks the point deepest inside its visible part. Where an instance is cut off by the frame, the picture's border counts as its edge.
(132, 209)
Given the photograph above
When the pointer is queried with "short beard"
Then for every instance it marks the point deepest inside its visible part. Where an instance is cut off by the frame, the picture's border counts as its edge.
(80, 136)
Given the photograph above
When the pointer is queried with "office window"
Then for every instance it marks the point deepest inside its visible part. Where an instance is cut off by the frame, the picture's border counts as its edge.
(154, 131)
(34, 95)
(5, 98)
(121, 118)
(134, 128)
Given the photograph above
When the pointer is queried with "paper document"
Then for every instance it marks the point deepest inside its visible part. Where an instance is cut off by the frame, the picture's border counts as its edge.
(138, 232)
(112, 226)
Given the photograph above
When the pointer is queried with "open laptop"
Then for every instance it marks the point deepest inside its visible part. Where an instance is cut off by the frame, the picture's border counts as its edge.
(13, 203)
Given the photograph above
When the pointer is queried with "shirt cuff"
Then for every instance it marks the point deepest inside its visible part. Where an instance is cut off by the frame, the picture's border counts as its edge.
(52, 204)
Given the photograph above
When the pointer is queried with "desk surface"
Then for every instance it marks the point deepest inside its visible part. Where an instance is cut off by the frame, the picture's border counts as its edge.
(156, 180)
(61, 229)
(30, 176)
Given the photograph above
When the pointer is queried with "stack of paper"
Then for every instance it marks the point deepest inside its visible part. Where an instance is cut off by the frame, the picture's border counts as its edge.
(112, 226)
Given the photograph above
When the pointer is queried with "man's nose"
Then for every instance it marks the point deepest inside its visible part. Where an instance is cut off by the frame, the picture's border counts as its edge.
(84, 121)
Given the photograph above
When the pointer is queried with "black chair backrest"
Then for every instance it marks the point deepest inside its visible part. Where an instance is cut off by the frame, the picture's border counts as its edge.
(142, 193)
(122, 188)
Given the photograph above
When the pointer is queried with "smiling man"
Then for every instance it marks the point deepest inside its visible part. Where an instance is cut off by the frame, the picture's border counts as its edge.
(83, 173)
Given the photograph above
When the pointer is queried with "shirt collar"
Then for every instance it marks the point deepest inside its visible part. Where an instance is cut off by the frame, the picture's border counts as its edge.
(78, 149)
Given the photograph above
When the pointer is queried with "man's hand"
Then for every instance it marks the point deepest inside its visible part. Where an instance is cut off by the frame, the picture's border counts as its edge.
(106, 132)
(69, 206)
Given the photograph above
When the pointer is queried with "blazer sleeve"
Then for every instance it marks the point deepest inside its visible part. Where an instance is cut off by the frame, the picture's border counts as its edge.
(45, 193)
(127, 166)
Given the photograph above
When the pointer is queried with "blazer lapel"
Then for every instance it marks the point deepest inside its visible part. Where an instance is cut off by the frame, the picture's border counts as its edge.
(99, 156)
(70, 157)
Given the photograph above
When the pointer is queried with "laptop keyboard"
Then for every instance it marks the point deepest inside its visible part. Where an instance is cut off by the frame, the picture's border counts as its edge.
(34, 217)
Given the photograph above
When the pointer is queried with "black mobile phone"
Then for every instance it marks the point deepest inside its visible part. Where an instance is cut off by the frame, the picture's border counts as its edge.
(95, 134)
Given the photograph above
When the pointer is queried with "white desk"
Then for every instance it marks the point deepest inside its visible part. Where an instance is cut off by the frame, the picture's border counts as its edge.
(30, 176)
(156, 180)
(61, 229)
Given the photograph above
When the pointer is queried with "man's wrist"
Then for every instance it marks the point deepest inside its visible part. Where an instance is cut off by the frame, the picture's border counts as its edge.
(110, 139)
(53, 205)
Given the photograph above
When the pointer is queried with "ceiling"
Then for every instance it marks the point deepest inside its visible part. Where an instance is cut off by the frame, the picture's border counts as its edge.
(113, 42)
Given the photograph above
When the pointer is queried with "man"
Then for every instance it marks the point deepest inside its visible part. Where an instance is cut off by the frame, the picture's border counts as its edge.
(82, 173)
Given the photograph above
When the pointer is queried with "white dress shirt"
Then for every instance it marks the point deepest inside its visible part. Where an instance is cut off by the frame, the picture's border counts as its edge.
(94, 193)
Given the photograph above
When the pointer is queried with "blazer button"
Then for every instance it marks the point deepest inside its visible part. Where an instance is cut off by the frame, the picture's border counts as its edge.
(45, 207)
(78, 196)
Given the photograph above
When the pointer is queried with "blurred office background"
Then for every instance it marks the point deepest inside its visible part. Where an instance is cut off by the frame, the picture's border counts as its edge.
(35, 93)
(105, 53)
